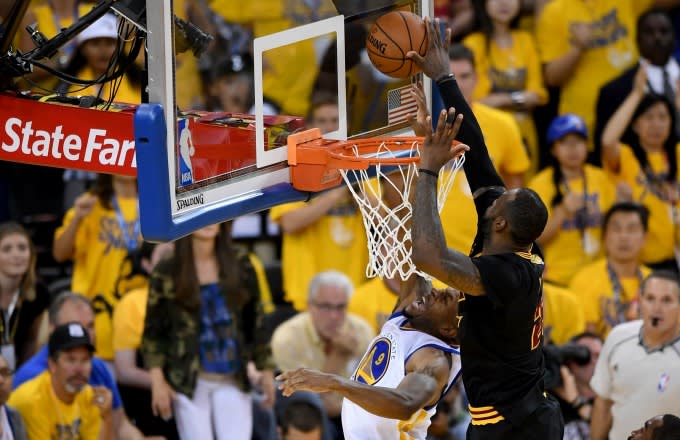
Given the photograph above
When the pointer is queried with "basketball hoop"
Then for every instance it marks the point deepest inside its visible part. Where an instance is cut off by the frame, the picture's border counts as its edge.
(383, 196)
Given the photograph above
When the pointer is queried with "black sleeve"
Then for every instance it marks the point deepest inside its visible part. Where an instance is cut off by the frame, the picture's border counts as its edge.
(478, 167)
(501, 276)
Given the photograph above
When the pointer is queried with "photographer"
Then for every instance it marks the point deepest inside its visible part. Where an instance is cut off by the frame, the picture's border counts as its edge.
(569, 368)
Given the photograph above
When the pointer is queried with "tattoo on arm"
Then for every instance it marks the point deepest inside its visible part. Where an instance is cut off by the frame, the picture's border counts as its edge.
(429, 243)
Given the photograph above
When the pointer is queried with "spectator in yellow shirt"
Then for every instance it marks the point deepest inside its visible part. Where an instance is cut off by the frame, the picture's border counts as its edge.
(585, 44)
(510, 76)
(326, 233)
(59, 403)
(97, 234)
(608, 289)
(576, 194)
(97, 45)
(649, 166)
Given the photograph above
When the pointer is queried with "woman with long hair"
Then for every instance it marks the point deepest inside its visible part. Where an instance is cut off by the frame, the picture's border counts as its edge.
(577, 195)
(509, 68)
(648, 166)
(97, 234)
(23, 302)
(202, 329)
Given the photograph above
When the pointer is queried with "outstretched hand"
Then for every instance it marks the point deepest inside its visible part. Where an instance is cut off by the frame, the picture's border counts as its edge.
(437, 148)
(305, 379)
(435, 63)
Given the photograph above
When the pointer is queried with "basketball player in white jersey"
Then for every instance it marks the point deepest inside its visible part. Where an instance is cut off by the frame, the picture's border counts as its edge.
(406, 370)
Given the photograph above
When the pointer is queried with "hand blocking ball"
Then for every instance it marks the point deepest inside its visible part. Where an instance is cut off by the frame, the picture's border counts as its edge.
(392, 36)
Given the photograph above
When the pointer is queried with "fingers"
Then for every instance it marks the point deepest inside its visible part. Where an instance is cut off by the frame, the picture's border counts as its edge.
(416, 58)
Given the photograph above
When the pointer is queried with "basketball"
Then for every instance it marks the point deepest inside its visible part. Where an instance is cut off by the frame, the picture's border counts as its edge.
(392, 36)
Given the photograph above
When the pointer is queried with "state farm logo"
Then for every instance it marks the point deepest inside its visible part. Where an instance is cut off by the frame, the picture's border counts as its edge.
(21, 137)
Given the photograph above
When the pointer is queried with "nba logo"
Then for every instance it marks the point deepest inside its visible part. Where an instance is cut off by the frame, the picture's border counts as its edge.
(663, 382)
(186, 150)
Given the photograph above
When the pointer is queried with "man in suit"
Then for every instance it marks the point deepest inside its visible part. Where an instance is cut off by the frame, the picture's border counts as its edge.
(656, 42)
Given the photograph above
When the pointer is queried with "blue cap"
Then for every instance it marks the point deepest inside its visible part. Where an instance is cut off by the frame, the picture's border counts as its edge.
(564, 125)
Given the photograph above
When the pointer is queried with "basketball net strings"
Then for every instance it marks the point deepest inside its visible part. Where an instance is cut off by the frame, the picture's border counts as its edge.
(388, 229)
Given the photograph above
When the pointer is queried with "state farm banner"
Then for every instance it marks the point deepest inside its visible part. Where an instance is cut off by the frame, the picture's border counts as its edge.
(64, 136)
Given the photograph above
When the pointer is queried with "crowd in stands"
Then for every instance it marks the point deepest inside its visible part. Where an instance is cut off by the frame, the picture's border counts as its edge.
(107, 336)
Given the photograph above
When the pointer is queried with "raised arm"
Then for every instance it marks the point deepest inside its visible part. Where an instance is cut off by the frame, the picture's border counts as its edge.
(430, 253)
(427, 374)
(479, 169)
(616, 126)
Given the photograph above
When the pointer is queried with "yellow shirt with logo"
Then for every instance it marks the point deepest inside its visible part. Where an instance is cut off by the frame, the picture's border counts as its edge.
(336, 241)
(507, 152)
(571, 248)
(99, 250)
(48, 418)
(594, 289)
(513, 69)
(562, 314)
(612, 51)
(374, 301)
(662, 234)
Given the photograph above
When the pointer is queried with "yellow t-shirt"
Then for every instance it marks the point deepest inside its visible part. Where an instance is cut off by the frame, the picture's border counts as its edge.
(563, 316)
(594, 289)
(506, 70)
(128, 320)
(612, 50)
(504, 142)
(130, 312)
(47, 417)
(99, 250)
(662, 234)
(336, 241)
(374, 302)
(126, 92)
(570, 249)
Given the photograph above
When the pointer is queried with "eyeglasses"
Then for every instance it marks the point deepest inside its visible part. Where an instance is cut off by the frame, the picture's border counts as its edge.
(327, 307)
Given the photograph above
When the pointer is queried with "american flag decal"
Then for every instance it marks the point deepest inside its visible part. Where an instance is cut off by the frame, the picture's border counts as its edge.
(400, 103)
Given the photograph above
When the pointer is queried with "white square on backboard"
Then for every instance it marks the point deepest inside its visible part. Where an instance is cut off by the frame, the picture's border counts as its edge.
(290, 36)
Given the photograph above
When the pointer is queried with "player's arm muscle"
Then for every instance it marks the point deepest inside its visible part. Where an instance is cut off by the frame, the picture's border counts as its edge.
(427, 374)
(430, 253)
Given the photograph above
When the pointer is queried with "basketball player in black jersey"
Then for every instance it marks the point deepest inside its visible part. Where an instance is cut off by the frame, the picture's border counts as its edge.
(500, 311)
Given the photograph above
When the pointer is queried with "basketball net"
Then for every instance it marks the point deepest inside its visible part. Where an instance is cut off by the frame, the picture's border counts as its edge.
(385, 204)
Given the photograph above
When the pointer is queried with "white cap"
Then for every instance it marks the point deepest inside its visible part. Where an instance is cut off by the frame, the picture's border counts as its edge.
(105, 27)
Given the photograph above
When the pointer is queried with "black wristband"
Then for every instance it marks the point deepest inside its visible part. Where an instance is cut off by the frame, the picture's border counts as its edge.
(428, 172)
(446, 77)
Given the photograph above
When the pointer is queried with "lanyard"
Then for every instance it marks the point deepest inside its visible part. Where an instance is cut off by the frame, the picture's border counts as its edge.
(617, 290)
(130, 241)
(581, 215)
(8, 330)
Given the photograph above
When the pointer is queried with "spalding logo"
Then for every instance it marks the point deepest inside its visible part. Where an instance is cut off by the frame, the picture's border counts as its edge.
(379, 45)
(374, 363)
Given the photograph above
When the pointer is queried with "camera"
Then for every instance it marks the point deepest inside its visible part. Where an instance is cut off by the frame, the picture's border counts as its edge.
(557, 355)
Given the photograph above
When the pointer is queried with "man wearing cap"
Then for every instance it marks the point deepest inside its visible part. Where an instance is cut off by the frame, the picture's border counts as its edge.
(70, 307)
(59, 404)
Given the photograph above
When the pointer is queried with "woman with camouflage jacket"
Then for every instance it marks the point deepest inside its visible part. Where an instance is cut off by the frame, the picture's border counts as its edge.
(202, 329)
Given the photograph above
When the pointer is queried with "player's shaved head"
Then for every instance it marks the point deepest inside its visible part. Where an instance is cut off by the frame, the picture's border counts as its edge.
(527, 215)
